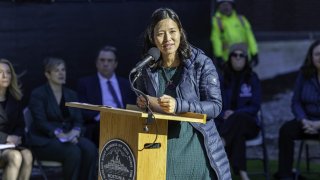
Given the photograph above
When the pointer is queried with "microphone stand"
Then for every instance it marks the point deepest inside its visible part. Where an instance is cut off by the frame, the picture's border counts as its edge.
(150, 118)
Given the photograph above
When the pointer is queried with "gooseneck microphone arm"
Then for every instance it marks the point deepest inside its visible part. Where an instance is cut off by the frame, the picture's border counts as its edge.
(152, 56)
(137, 91)
(150, 118)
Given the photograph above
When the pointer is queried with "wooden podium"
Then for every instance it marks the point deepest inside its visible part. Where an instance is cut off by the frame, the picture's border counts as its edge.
(149, 148)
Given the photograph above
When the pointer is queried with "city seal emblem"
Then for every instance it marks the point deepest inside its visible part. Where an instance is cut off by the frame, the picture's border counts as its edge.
(116, 161)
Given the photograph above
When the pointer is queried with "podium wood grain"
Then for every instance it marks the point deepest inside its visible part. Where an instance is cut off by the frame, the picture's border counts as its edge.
(128, 126)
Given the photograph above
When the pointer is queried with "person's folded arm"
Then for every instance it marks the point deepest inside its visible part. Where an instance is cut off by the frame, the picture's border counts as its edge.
(254, 106)
(210, 102)
(37, 105)
(296, 105)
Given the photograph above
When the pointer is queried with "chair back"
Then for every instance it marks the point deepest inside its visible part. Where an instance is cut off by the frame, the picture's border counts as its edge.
(27, 119)
(259, 141)
(256, 141)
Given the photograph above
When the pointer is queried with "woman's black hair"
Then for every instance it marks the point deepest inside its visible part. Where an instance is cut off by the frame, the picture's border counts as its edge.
(308, 69)
(184, 50)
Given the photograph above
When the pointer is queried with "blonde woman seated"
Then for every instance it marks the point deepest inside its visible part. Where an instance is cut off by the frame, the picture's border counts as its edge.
(17, 162)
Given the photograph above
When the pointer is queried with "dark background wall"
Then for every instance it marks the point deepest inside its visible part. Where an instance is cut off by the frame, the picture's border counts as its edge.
(283, 15)
(29, 32)
(74, 30)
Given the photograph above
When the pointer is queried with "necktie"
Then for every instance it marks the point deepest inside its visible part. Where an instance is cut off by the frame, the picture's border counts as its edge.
(113, 94)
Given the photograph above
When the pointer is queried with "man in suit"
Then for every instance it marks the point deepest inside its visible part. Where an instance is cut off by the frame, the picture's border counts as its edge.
(103, 88)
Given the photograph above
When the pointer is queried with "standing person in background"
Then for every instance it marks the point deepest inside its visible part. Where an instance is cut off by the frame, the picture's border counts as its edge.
(305, 107)
(228, 28)
(56, 131)
(184, 80)
(103, 88)
(17, 162)
(241, 94)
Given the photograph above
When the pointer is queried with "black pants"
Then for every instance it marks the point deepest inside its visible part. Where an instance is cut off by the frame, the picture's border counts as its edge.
(93, 132)
(290, 131)
(79, 161)
(235, 130)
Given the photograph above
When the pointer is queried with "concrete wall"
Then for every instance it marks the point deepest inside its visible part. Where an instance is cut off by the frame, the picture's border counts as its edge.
(281, 57)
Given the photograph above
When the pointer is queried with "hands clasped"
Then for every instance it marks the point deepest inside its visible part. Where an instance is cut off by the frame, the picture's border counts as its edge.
(14, 139)
(163, 104)
(310, 127)
(71, 136)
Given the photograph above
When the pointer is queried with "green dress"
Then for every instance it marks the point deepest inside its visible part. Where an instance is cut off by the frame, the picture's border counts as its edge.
(186, 156)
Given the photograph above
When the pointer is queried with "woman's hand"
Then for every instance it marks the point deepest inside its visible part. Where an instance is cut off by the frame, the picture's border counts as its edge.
(73, 136)
(62, 137)
(13, 139)
(167, 104)
(74, 140)
(141, 102)
(310, 127)
(227, 114)
(73, 133)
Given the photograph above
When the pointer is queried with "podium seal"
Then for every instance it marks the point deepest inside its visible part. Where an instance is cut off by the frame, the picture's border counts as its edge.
(116, 161)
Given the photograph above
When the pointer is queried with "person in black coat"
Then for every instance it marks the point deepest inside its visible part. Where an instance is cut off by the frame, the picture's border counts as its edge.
(56, 132)
(95, 89)
(241, 97)
(17, 162)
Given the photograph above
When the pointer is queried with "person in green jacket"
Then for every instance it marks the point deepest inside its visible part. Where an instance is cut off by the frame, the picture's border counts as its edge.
(228, 28)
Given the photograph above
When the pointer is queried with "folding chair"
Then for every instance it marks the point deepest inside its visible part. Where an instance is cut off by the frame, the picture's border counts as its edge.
(309, 158)
(259, 141)
(39, 163)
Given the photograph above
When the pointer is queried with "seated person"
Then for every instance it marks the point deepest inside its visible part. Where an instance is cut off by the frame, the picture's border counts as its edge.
(103, 88)
(56, 132)
(241, 95)
(305, 107)
(17, 162)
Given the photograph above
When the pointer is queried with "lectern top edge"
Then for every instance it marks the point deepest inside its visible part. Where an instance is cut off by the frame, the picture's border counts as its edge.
(188, 117)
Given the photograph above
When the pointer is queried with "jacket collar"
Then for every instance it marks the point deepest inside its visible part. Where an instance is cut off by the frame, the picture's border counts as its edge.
(220, 15)
(51, 98)
(187, 65)
(314, 80)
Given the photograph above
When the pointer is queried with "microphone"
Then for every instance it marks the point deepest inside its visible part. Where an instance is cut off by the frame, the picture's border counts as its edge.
(152, 55)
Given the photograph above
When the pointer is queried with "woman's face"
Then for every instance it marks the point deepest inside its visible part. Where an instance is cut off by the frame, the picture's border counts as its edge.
(167, 36)
(316, 57)
(5, 75)
(238, 60)
(57, 75)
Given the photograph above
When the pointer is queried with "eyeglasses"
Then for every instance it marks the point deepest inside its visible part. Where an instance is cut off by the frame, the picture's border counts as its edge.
(238, 55)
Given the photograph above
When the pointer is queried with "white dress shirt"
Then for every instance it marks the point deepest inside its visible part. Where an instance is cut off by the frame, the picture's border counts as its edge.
(107, 98)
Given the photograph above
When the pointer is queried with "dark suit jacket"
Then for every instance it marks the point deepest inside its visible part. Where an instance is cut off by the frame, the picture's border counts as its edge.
(11, 119)
(47, 115)
(89, 91)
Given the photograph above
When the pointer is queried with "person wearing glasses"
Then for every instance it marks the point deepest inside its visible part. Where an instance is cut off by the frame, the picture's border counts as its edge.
(241, 97)
(228, 28)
